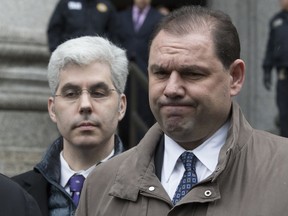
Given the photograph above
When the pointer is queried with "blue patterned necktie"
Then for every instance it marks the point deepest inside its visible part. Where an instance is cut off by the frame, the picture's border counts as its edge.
(76, 184)
(189, 177)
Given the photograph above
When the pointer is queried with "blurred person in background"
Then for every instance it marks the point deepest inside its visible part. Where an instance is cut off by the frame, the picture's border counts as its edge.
(76, 18)
(135, 27)
(277, 57)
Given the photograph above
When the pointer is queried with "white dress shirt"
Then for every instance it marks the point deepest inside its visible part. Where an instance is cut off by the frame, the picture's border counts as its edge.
(67, 172)
(207, 154)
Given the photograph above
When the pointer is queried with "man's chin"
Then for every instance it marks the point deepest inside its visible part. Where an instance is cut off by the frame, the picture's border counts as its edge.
(173, 126)
(174, 131)
(86, 143)
(177, 131)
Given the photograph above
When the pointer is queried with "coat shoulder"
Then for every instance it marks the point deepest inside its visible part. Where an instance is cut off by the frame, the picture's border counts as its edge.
(112, 165)
(28, 177)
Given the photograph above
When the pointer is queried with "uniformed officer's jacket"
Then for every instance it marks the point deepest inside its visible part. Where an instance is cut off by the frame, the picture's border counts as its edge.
(277, 46)
(251, 178)
(75, 18)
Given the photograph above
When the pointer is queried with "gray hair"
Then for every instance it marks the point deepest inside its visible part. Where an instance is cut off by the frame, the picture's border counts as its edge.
(85, 50)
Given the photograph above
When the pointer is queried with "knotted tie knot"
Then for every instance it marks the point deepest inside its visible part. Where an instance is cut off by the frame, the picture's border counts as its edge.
(76, 183)
(189, 161)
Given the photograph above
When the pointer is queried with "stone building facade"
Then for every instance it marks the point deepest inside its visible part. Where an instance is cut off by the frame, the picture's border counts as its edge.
(26, 129)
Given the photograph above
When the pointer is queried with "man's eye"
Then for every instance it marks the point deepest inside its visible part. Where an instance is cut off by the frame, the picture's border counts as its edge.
(98, 94)
(194, 76)
(161, 74)
(71, 94)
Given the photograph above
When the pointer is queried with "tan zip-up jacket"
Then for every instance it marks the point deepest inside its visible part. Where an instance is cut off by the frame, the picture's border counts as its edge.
(251, 179)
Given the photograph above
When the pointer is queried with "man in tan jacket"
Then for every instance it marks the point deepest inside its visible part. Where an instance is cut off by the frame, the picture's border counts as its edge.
(201, 157)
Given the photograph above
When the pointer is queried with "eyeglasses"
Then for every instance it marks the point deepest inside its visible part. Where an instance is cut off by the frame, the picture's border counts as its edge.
(72, 95)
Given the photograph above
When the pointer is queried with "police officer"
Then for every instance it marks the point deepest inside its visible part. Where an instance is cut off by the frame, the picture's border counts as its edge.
(75, 18)
(277, 56)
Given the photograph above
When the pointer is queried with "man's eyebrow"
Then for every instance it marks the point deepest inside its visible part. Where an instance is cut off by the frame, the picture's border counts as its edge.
(155, 67)
(100, 85)
(69, 86)
(193, 68)
(183, 68)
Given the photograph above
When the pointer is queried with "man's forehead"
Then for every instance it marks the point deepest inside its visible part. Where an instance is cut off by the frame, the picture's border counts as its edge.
(187, 45)
(85, 74)
(169, 44)
(170, 37)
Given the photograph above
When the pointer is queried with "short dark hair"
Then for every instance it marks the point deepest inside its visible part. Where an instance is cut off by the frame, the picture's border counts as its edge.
(189, 19)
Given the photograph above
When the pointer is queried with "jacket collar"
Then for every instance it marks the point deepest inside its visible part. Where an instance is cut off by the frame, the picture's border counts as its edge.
(239, 134)
(118, 146)
(49, 167)
(137, 172)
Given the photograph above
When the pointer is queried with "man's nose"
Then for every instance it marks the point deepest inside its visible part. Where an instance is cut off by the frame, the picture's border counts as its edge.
(85, 102)
(174, 86)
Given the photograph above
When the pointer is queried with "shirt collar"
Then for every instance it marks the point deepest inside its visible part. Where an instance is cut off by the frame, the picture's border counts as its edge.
(207, 153)
(172, 152)
(67, 172)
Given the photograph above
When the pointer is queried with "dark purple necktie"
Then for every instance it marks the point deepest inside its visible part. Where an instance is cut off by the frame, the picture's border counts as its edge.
(76, 184)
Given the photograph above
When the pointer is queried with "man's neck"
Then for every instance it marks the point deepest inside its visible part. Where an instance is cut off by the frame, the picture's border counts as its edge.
(141, 7)
(83, 158)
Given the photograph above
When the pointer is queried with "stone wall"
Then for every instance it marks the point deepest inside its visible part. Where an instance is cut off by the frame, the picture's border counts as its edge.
(26, 129)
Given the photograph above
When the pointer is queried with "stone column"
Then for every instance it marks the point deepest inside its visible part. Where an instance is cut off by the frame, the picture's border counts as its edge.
(26, 129)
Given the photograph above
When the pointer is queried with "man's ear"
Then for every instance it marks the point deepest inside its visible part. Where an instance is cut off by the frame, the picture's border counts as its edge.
(51, 109)
(237, 73)
(122, 107)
